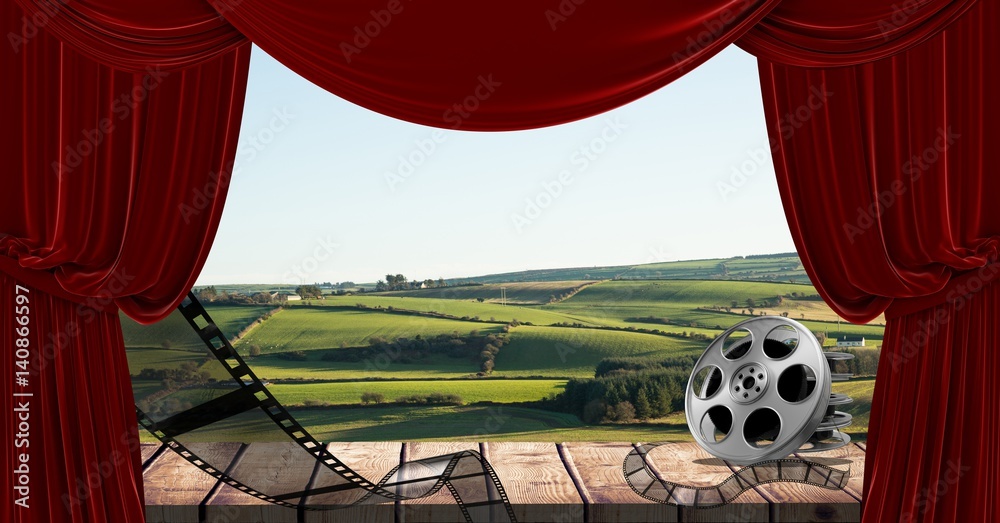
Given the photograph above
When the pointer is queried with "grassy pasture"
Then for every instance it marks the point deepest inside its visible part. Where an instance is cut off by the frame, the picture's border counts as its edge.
(307, 328)
(471, 391)
(460, 308)
(569, 352)
(175, 329)
(521, 293)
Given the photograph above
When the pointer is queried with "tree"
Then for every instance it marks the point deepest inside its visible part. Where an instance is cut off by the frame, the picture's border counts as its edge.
(309, 291)
(381, 286)
(441, 282)
(751, 303)
(480, 299)
(429, 283)
(643, 409)
(254, 351)
(208, 293)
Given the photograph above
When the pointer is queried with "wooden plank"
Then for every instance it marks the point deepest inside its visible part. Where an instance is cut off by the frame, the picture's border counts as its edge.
(175, 488)
(146, 451)
(851, 456)
(689, 464)
(440, 506)
(373, 460)
(271, 468)
(597, 467)
(807, 503)
(536, 481)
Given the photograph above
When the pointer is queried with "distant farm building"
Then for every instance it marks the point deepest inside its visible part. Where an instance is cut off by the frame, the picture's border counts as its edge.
(851, 341)
(285, 296)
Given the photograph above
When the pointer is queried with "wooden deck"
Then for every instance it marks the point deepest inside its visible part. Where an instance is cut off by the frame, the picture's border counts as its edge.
(571, 482)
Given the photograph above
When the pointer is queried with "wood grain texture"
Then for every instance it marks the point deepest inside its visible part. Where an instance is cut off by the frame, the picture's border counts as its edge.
(689, 464)
(271, 468)
(807, 503)
(373, 460)
(851, 456)
(536, 481)
(146, 451)
(598, 467)
(175, 488)
(440, 506)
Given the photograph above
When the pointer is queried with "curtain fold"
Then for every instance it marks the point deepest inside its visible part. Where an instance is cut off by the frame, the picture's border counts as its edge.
(71, 448)
(850, 32)
(130, 35)
(123, 119)
(887, 190)
(115, 181)
(495, 66)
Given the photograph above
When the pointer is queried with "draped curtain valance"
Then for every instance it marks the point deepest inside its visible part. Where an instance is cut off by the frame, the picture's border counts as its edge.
(123, 118)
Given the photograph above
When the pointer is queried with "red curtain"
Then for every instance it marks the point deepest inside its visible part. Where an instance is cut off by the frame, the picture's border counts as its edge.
(113, 186)
(493, 66)
(886, 190)
(73, 447)
(858, 94)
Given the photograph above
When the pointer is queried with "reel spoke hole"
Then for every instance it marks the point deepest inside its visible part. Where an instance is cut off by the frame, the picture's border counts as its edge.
(737, 344)
(796, 383)
(706, 382)
(717, 423)
(761, 427)
(781, 342)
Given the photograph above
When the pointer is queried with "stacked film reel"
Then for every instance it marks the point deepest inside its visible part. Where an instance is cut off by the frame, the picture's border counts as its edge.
(762, 390)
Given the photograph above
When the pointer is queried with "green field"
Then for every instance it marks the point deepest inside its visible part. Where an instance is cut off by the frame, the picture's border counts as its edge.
(562, 351)
(460, 308)
(306, 328)
(463, 423)
(471, 391)
(523, 293)
(175, 330)
(682, 298)
(776, 267)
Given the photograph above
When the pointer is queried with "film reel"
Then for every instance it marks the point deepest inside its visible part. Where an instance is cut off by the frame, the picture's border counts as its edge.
(762, 390)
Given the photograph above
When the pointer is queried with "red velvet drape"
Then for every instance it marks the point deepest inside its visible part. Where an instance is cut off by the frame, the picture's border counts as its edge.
(890, 199)
(125, 217)
(71, 443)
(113, 185)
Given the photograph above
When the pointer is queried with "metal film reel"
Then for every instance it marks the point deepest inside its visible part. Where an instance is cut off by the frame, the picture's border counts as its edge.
(761, 391)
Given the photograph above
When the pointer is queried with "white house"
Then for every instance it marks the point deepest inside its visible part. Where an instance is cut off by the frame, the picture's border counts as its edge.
(851, 341)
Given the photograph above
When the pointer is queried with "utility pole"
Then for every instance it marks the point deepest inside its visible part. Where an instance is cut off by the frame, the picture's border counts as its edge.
(503, 296)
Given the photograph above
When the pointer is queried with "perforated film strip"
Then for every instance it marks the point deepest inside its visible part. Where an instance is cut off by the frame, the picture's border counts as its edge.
(646, 483)
(251, 393)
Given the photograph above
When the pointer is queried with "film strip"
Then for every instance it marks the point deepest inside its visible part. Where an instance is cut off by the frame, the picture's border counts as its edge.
(648, 485)
(467, 475)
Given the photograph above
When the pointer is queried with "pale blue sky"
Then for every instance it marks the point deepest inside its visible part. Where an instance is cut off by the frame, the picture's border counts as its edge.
(318, 194)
